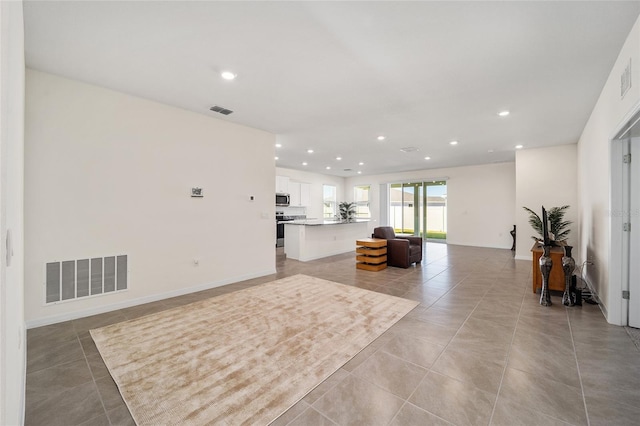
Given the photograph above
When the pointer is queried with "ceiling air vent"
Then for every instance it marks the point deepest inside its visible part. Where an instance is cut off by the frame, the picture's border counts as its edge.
(221, 110)
(348, 170)
(409, 149)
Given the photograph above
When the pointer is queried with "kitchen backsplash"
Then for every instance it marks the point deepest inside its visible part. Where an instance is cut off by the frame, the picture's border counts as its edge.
(292, 211)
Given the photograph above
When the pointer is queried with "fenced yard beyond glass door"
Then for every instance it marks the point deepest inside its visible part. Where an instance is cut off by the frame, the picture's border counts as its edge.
(419, 208)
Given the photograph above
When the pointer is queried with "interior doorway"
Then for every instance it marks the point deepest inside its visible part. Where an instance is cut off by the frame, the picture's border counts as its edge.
(419, 208)
(625, 203)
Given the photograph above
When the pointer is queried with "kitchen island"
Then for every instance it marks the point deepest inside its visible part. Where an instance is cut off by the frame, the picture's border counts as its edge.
(311, 239)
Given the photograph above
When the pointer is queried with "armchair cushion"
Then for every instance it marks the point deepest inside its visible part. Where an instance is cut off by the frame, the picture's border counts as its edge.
(384, 232)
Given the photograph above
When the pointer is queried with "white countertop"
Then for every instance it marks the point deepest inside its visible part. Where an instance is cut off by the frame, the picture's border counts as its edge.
(319, 222)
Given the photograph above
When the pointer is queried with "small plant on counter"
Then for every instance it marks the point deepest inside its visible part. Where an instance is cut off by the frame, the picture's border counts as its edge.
(347, 211)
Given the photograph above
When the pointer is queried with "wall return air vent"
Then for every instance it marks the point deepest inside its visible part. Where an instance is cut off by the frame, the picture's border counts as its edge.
(75, 279)
(221, 110)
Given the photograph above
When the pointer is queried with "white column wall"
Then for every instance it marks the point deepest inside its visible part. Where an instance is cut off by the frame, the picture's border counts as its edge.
(545, 177)
(12, 324)
(595, 172)
(109, 174)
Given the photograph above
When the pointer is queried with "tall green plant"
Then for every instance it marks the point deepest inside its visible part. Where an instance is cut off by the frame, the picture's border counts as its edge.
(557, 225)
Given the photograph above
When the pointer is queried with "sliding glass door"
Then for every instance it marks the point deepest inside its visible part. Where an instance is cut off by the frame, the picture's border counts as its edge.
(419, 208)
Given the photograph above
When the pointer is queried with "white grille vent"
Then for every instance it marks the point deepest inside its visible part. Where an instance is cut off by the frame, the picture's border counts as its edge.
(409, 149)
(221, 110)
(75, 279)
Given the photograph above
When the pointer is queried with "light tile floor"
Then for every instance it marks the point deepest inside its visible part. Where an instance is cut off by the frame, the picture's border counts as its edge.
(479, 350)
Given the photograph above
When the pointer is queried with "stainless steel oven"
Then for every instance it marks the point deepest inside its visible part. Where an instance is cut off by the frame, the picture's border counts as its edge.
(280, 220)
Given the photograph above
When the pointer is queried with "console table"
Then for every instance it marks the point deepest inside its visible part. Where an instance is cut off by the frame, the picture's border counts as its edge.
(371, 254)
(556, 277)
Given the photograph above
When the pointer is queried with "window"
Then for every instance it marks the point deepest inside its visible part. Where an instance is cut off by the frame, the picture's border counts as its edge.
(330, 201)
(361, 198)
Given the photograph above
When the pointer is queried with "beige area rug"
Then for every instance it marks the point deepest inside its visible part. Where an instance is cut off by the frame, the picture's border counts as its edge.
(242, 358)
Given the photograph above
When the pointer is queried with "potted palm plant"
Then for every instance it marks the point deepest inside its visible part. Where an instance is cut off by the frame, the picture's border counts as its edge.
(557, 225)
(347, 211)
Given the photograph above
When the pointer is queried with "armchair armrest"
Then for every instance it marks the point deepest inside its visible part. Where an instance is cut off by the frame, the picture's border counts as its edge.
(412, 240)
(398, 243)
(398, 252)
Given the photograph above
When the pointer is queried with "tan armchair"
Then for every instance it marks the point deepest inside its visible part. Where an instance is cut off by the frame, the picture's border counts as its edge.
(401, 251)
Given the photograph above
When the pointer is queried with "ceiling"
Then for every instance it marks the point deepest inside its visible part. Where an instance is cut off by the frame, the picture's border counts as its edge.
(333, 76)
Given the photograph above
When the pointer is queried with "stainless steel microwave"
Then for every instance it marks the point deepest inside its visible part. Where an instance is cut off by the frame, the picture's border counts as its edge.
(282, 200)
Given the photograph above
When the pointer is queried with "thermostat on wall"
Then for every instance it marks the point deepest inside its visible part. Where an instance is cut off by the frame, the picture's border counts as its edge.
(196, 192)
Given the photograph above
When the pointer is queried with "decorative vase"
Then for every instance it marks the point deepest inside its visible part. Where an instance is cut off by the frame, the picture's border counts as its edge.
(545, 268)
(568, 266)
(513, 235)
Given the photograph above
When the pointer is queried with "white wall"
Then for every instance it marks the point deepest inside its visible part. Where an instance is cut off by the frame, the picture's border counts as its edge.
(107, 174)
(480, 201)
(545, 177)
(595, 172)
(12, 326)
(316, 180)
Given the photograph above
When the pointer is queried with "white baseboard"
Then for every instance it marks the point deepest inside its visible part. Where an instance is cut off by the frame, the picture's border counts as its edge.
(54, 319)
(522, 257)
(596, 297)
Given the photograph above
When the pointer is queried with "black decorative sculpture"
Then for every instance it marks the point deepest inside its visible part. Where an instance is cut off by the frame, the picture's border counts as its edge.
(568, 266)
(546, 241)
(545, 262)
(513, 235)
(545, 268)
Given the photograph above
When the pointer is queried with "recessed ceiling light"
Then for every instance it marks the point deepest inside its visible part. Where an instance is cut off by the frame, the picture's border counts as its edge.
(490, 151)
(361, 164)
(277, 158)
(228, 75)
(328, 167)
(503, 113)
(278, 145)
(338, 158)
(453, 143)
(519, 146)
(427, 158)
(380, 138)
(310, 151)
(359, 172)
(304, 163)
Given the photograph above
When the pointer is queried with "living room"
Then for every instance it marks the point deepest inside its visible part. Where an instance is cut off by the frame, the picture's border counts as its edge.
(100, 172)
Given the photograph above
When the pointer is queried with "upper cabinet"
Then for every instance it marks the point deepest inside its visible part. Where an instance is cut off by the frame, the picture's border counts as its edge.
(282, 184)
(305, 194)
(300, 194)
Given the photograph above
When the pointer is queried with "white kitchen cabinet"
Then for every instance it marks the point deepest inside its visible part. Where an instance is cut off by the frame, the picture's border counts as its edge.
(305, 194)
(300, 194)
(294, 191)
(282, 184)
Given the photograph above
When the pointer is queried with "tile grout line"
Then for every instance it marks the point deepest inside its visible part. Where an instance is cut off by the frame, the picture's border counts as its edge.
(86, 360)
(575, 355)
(506, 362)
(430, 371)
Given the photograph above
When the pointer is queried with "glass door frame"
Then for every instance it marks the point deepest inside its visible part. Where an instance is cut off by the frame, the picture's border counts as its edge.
(420, 204)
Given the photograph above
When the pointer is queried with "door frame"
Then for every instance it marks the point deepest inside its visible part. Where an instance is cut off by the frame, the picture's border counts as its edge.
(618, 309)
